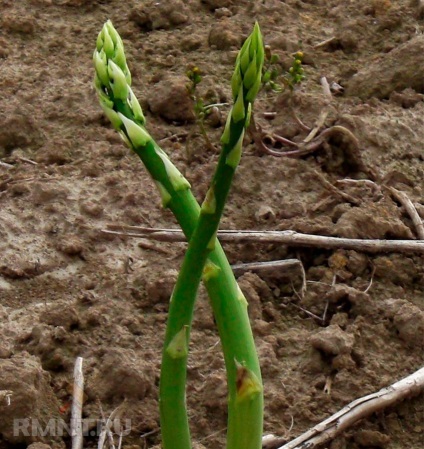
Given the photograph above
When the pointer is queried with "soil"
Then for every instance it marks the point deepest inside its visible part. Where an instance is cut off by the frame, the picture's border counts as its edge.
(68, 290)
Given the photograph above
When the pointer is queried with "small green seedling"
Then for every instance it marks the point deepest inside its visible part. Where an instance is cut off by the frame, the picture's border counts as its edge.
(273, 77)
(200, 110)
(296, 72)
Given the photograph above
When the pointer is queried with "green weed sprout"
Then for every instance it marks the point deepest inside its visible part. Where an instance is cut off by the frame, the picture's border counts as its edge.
(272, 72)
(205, 257)
(201, 111)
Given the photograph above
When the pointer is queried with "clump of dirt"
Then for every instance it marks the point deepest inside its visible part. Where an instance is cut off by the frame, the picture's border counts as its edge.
(353, 324)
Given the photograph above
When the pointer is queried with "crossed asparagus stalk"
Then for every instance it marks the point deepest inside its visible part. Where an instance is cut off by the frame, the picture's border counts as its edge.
(205, 258)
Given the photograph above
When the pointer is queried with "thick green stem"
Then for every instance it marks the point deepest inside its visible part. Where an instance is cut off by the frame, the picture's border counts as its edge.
(230, 308)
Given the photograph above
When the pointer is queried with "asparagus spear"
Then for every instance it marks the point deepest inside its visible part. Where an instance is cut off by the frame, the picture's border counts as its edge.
(112, 82)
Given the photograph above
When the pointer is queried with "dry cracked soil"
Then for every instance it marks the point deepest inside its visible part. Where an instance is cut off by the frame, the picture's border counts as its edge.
(67, 289)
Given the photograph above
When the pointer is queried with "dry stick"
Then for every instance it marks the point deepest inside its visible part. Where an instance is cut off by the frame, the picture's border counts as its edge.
(376, 189)
(410, 209)
(326, 88)
(291, 238)
(328, 41)
(358, 409)
(106, 431)
(266, 266)
(318, 125)
(334, 189)
(6, 165)
(78, 398)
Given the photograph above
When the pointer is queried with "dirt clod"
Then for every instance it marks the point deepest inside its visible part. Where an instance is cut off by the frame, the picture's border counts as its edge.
(333, 341)
(32, 397)
(393, 72)
(170, 100)
(371, 438)
(409, 321)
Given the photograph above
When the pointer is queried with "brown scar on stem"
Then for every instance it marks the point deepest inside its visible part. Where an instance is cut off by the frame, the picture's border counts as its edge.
(247, 384)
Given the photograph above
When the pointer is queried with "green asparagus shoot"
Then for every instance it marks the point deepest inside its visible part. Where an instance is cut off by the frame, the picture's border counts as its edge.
(205, 257)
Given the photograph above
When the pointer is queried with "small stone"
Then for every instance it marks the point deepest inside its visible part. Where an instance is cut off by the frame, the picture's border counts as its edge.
(170, 99)
(71, 245)
(43, 193)
(38, 446)
(5, 350)
(154, 15)
(251, 285)
(357, 263)
(409, 321)
(223, 36)
(19, 130)
(265, 213)
(160, 289)
(4, 48)
(32, 397)
(61, 316)
(91, 208)
(261, 327)
(214, 118)
(18, 23)
(408, 98)
(216, 4)
(333, 341)
(123, 374)
(371, 438)
(191, 43)
(343, 361)
(223, 12)
(393, 71)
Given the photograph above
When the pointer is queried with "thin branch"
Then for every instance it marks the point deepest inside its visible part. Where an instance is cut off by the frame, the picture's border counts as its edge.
(328, 41)
(106, 431)
(318, 125)
(291, 238)
(6, 165)
(371, 280)
(77, 401)
(410, 209)
(334, 189)
(266, 266)
(356, 410)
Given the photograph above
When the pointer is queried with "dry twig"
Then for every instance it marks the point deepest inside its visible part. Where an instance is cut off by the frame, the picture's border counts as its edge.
(77, 401)
(410, 209)
(291, 238)
(356, 410)
(107, 429)
(266, 266)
